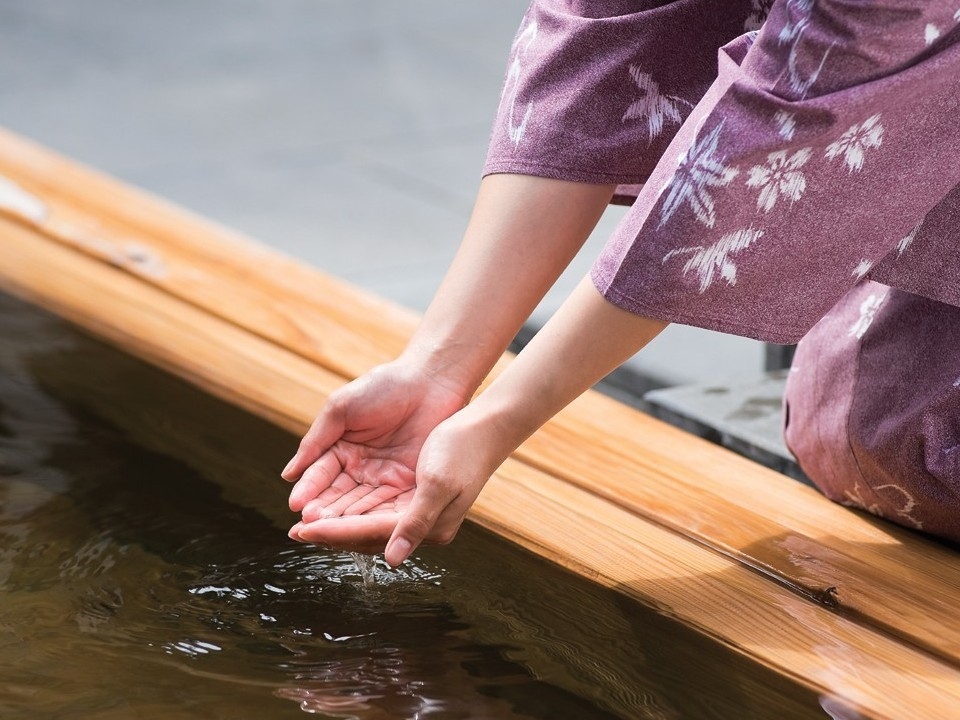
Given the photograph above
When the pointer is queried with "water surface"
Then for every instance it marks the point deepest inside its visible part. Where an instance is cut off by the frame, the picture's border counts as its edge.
(145, 573)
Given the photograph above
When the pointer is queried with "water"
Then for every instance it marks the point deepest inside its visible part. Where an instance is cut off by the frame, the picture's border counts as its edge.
(367, 565)
(145, 573)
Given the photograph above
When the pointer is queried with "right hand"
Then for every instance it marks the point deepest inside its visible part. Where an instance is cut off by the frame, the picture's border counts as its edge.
(455, 462)
(360, 454)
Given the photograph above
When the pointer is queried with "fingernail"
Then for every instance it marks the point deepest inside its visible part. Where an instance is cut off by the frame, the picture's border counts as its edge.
(294, 533)
(289, 466)
(397, 552)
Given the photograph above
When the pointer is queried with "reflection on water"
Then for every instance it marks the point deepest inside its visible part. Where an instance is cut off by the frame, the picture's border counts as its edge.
(145, 572)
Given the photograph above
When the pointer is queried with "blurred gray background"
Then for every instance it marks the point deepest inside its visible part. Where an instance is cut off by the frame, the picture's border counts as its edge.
(348, 134)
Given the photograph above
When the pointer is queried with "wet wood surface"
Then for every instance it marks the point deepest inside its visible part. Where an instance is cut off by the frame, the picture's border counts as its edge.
(846, 604)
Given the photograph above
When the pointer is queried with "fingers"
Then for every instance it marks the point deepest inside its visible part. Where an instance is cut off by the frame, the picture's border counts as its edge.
(434, 514)
(315, 508)
(326, 429)
(430, 501)
(357, 533)
(377, 497)
(315, 479)
(356, 500)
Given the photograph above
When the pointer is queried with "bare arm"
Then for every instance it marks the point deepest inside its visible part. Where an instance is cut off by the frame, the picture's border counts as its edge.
(361, 451)
(522, 234)
(584, 341)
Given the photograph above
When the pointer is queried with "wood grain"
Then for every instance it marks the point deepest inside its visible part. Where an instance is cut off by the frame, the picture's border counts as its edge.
(206, 264)
(781, 528)
(819, 648)
(215, 355)
(891, 577)
(275, 337)
(611, 545)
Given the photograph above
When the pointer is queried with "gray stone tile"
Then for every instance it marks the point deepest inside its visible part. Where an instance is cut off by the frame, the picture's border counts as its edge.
(745, 416)
(120, 84)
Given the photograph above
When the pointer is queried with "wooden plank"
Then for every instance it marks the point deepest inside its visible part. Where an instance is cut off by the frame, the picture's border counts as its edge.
(834, 655)
(782, 528)
(820, 649)
(217, 356)
(204, 263)
(887, 575)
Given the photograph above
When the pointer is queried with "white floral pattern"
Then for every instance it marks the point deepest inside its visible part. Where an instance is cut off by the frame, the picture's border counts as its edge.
(699, 168)
(780, 176)
(868, 311)
(854, 143)
(653, 105)
(933, 31)
(800, 83)
(712, 260)
(902, 502)
(511, 87)
(907, 240)
(786, 124)
(758, 14)
(792, 28)
(792, 33)
(862, 268)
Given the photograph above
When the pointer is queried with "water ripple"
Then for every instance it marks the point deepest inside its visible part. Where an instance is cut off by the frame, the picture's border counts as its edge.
(154, 579)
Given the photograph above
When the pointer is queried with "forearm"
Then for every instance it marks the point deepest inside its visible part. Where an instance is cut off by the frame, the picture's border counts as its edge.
(523, 232)
(586, 339)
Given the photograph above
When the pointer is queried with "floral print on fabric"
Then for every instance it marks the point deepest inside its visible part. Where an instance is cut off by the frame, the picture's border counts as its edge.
(652, 106)
(511, 88)
(792, 141)
(597, 97)
(700, 169)
(873, 398)
(804, 176)
(855, 142)
(781, 175)
(783, 159)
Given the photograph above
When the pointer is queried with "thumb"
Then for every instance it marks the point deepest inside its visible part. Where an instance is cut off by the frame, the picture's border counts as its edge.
(430, 499)
(328, 427)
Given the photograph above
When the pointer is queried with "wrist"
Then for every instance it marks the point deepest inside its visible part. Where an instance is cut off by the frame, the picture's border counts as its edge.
(460, 366)
(481, 437)
(501, 419)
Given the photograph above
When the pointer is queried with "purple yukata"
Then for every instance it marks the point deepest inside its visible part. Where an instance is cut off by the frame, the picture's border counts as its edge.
(794, 173)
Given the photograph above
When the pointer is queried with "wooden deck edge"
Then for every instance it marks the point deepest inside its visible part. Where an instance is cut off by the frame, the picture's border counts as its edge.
(889, 576)
(200, 261)
(613, 546)
(66, 259)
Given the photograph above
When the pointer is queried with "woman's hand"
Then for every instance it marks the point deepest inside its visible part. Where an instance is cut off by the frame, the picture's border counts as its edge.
(455, 462)
(361, 452)
(357, 467)
(428, 499)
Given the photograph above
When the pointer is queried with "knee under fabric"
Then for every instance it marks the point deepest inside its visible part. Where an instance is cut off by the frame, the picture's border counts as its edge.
(872, 407)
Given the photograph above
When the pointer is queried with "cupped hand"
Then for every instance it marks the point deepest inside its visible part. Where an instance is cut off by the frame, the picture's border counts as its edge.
(361, 452)
(455, 462)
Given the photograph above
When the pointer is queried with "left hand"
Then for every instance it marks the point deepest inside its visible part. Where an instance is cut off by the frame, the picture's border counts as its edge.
(455, 463)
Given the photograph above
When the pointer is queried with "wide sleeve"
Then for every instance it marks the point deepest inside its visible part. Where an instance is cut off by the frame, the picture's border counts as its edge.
(773, 169)
(823, 143)
(595, 90)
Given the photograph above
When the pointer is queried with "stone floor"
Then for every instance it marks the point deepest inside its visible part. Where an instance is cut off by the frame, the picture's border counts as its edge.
(744, 416)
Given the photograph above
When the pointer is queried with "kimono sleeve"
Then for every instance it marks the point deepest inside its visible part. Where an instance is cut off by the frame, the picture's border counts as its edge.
(595, 89)
(822, 144)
